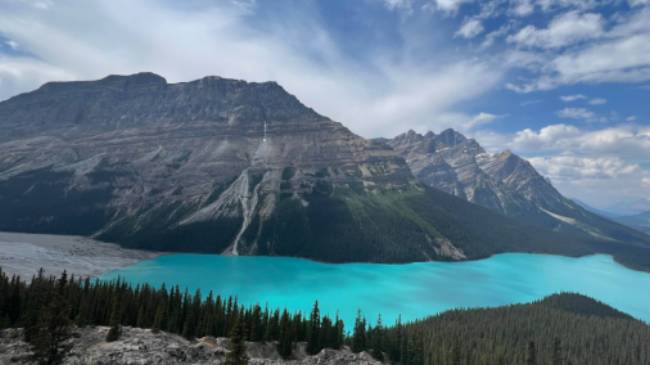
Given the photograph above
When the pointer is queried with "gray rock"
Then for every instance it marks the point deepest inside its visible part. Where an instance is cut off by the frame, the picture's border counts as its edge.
(142, 347)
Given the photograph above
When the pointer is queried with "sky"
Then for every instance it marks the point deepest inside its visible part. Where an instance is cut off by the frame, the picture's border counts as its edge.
(564, 83)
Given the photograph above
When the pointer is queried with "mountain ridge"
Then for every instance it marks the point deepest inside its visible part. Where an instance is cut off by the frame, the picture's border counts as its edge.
(227, 166)
(502, 182)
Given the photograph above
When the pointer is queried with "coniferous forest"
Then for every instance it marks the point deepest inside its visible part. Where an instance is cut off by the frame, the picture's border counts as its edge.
(561, 329)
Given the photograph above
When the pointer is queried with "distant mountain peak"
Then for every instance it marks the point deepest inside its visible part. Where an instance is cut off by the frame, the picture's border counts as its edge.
(451, 137)
(503, 182)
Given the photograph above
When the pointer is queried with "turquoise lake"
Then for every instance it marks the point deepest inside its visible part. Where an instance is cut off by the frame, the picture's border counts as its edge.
(410, 290)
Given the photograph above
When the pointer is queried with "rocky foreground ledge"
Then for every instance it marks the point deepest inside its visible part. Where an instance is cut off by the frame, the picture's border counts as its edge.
(143, 347)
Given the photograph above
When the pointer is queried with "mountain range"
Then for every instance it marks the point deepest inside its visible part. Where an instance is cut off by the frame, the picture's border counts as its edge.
(639, 221)
(228, 166)
(502, 182)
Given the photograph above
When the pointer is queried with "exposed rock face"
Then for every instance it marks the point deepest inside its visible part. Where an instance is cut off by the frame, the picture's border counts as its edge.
(141, 346)
(503, 182)
(212, 165)
(225, 166)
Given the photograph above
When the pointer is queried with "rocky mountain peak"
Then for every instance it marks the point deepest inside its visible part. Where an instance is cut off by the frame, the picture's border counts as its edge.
(119, 102)
(451, 137)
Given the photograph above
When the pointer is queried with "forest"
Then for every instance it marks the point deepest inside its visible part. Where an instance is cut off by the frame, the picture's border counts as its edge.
(560, 329)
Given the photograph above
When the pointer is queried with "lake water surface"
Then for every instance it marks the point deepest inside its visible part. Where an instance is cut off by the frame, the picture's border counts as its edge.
(410, 290)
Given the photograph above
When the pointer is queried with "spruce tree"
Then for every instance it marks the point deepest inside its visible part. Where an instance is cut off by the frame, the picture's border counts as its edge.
(285, 342)
(159, 317)
(377, 340)
(115, 331)
(237, 354)
(53, 330)
(313, 333)
(359, 334)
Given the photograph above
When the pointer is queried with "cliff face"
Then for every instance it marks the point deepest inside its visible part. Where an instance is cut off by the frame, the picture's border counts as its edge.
(190, 166)
(502, 182)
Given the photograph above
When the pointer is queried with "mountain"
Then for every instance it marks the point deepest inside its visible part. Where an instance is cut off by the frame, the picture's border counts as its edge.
(227, 166)
(639, 221)
(502, 182)
(554, 330)
(601, 212)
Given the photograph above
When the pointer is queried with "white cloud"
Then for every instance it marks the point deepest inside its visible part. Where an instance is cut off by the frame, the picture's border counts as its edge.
(570, 98)
(604, 166)
(572, 167)
(563, 30)
(630, 142)
(576, 113)
(398, 4)
(392, 92)
(470, 29)
(598, 101)
(450, 6)
(639, 2)
(621, 54)
(546, 138)
(626, 60)
(645, 181)
(523, 7)
(19, 73)
(481, 119)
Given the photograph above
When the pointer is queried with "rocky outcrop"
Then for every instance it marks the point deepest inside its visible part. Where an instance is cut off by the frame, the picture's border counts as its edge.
(502, 182)
(142, 347)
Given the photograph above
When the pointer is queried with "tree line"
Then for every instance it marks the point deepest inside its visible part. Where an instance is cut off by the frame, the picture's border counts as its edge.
(560, 330)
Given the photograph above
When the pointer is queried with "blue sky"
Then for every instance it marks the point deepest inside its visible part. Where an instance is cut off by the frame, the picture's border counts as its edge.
(565, 83)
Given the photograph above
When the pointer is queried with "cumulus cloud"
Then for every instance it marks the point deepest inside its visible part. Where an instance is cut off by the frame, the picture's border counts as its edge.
(627, 141)
(604, 166)
(574, 167)
(470, 29)
(393, 90)
(549, 137)
(563, 30)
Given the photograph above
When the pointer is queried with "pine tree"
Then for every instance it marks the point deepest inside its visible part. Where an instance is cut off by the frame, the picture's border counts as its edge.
(340, 334)
(115, 331)
(313, 334)
(193, 312)
(54, 327)
(285, 342)
(159, 317)
(377, 340)
(359, 334)
(237, 354)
